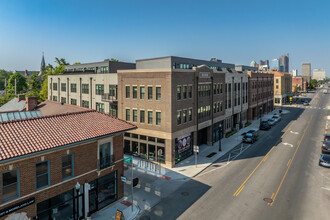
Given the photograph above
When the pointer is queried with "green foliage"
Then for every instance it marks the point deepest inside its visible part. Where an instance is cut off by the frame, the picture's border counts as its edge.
(230, 133)
(295, 89)
(114, 60)
(61, 61)
(247, 124)
(4, 99)
(4, 75)
(34, 85)
(313, 83)
(49, 71)
(21, 85)
(76, 63)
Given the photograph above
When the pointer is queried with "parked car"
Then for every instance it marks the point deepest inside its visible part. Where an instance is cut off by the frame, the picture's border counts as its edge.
(255, 132)
(264, 125)
(250, 137)
(327, 137)
(276, 118)
(326, 147)
(324, 160)
(305, 103)
(271, 122)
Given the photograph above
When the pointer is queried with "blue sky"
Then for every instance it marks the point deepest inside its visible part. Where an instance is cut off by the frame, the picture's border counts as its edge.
(236, 31)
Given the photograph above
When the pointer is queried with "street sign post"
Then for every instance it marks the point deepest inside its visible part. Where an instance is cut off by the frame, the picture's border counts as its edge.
(196, 150)
(128, 160)
(123, 179)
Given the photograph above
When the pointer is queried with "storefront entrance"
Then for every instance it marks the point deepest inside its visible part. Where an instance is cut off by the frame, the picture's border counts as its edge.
(103, 191)
(202, 136)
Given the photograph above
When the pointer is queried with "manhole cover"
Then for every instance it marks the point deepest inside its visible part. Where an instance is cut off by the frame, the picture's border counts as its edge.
(216, 165)
(268, 200)
(185, 193)
(211, 154)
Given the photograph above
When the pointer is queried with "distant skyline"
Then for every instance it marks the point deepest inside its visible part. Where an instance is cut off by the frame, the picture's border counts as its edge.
(234, 31)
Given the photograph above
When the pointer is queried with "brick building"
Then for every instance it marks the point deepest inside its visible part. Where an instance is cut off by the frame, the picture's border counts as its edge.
(261, 94)
(60, 166)
(300, 83)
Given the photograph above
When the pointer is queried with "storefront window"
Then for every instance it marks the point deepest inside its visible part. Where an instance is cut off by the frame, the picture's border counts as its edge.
(151, 150)
(135, 148)
(127, 147)
(106, 190)
(161, 154)
(143, 150)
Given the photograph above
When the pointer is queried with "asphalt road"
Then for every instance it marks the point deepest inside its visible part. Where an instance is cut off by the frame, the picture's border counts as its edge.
(278, 177)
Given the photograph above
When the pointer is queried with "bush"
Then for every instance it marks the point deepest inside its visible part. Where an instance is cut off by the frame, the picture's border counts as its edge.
(247, 124)
(230, 134)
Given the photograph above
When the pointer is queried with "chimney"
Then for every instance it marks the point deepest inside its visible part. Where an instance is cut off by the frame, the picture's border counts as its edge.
(26, 73)
(31, 103)
(21, 97)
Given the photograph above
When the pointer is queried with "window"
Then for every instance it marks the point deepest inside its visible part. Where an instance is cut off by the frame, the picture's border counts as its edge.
(128, 114)
(73, 87)
(128, 92)
(113, 109)
(149, 117)
(113, 90)
(158, 93)
(55, 86)
(73, 101)
(42, 174)
(184, 116)
(104, 69)
(105, 158)
(184, 92)
(55, 98)
(190, 114)
(10, 185)
(85, 88)
(63, 100)
(190, 92)
(158, 118)
(178, 117)
(134, 92)
(67, 166)
(276, 86)
(178, 92)
(99, 89)
(149, 92)
(276, 80)
(142, 116)
(135, 115)
(100, 107)
(63, 87)
(142, 92)
(85, 104)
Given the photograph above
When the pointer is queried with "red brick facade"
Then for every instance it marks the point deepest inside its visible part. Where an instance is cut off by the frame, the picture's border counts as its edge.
(85, 170)
(300, 83)
(261, 93)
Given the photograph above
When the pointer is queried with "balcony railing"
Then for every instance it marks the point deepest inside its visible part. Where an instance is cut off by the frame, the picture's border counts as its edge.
(105, 162)
(106, 97)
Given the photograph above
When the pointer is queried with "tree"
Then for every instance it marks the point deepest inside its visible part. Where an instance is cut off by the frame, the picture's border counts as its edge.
(4, 75)
(313, 83)
(76, 63)
(295, 89)
(50, 71)
(114, 60)
(20, 83)
(34, 85)
(61, 61)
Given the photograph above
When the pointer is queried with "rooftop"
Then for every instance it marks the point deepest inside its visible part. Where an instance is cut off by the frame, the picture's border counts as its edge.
(25, 137)
(13, 105)
(50, 107)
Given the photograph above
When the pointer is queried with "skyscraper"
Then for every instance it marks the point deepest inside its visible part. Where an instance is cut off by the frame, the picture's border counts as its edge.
(284, 63)
(306, 71)
(294, 72)
(275, 64)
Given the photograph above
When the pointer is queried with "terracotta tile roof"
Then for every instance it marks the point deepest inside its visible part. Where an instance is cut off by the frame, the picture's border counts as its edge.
(22, 137)
(50, 107)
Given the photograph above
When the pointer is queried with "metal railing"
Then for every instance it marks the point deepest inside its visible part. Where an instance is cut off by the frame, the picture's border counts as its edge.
(106, 97)
(105, 162)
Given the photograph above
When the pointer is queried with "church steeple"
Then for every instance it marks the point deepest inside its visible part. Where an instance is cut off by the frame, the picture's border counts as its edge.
(43, 64)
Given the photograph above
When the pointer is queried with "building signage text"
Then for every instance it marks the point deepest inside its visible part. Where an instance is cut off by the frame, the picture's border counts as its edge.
(17, 206)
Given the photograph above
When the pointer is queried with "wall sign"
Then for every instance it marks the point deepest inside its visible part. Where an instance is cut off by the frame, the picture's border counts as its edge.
(16, 206)
(204, 75)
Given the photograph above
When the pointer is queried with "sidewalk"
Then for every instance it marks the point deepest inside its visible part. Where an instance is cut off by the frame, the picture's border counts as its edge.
(110, 211)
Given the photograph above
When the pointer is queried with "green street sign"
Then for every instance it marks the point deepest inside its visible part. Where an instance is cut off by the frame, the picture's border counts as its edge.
(128, 160)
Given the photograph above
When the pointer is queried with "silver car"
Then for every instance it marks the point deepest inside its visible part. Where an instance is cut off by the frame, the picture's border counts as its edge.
(325, 160)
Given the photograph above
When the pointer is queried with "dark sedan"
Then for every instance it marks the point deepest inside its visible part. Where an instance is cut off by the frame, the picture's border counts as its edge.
(264, 125)
(326, 147)
(324, 160)
(327, 137)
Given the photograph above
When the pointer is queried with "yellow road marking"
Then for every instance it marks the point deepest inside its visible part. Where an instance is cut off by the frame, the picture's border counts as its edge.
(271, 198)
(237, 190)
(288, 129)
(298, 145)
(240, 190)
(288, 162)
(265, 158)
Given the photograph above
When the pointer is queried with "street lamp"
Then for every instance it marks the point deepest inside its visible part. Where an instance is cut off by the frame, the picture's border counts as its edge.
(77, 192)
(220, 132)
(260, 110)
